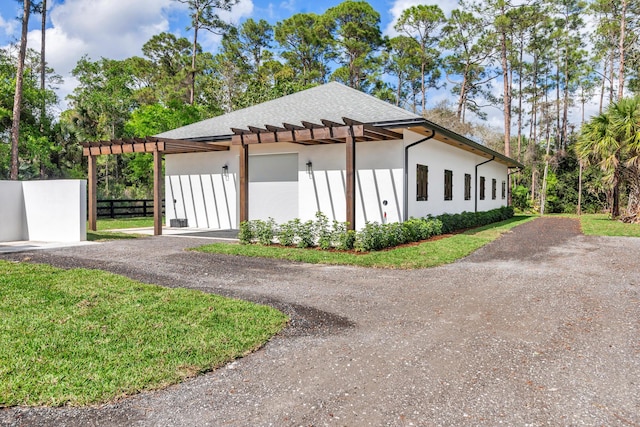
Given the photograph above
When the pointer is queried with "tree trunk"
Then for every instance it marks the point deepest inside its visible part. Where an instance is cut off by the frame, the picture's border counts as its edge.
(194, 54)
(17, 100)
(520, 102)
(507, 93)
(543, 192)
(579, 211)
(604, 80)
(43, 73)
(621, 48)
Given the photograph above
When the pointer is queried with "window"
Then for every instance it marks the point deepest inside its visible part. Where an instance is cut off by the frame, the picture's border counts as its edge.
(482, 188)
(422, 178)
(467, 186)
(493, 189)
(504, 189)
(448, 185)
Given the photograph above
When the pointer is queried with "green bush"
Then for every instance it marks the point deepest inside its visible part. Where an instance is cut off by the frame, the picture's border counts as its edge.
(322, 231)
(245, 234)
(264, 231)
(287, 234)
(305, 233)
(373, 237)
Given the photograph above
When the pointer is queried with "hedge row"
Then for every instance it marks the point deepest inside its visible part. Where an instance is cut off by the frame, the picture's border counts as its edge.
(372, 237)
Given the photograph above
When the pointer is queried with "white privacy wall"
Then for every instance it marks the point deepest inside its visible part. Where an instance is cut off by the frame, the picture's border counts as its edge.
(439, 157)
(52, 211)
(13, 222)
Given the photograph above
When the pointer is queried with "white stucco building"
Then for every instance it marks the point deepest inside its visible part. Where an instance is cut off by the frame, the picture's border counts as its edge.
(405, 166)
(330, 148)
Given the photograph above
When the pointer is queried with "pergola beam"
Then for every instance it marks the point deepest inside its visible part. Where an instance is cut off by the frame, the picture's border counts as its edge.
(93, 193)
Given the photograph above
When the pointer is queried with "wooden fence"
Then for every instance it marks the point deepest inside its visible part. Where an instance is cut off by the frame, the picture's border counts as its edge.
(126, 208)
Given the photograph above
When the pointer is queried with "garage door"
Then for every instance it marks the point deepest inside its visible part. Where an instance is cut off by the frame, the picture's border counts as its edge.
(273, 187)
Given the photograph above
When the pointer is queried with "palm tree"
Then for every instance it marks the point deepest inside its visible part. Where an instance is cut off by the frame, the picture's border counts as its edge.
(612, 141)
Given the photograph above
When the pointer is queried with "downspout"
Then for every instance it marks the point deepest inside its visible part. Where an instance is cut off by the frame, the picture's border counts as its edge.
(480, 164)
(406, 172)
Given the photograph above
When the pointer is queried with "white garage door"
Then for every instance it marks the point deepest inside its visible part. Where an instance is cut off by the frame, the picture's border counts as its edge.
(273, 187)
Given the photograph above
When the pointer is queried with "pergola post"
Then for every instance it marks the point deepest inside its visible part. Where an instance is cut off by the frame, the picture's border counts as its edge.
(93, 193)
(157, 192)
(244, 182)
(351, 181)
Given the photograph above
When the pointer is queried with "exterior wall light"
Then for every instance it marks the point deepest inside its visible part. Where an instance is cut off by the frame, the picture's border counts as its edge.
(309, 168)
(225, 171)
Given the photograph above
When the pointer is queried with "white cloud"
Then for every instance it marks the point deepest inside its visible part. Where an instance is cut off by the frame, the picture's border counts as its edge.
(400, 5)
(8, 27)
(289, 5)
(243, 9)
(114, 29)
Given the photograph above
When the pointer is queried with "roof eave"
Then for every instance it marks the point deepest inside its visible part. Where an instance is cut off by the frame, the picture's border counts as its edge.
(450, 134)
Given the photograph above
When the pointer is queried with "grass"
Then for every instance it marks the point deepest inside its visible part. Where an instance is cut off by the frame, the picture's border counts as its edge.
(602, 225)
(112, 224)
(423, 255)
(104, 227)
(77, 337)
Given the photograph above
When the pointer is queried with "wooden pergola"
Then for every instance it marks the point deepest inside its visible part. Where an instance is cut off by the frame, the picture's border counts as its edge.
(157, 146)
(329, 132)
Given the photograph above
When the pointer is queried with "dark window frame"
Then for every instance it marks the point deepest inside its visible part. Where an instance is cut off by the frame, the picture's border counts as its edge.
(482, 185)
(504, 190)
(448, 184)
(467, 186)
(494, 188)
(422, 183)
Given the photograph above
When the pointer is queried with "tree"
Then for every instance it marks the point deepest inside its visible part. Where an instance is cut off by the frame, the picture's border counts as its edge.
(612, 140)
(203, 16)
(355, 26)
(306, 42)
(402, 59)
(472, 48)
(421, 22)
(17, 101)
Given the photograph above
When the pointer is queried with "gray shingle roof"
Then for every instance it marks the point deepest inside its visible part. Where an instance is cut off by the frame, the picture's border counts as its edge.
(331, 101)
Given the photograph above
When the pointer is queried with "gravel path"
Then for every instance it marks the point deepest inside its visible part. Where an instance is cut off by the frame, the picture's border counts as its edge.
(541, 327)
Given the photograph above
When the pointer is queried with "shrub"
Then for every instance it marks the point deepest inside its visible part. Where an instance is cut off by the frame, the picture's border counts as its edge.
(287, 234)
(322, 231)
(264, 231)
(305, 233)
(373, 237)
(341, 238)
(245, 234)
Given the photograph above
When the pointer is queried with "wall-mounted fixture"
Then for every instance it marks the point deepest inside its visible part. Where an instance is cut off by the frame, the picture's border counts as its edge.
(225, 171)
(309, 168)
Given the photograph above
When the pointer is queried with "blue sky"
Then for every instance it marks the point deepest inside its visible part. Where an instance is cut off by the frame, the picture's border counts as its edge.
(117, 29)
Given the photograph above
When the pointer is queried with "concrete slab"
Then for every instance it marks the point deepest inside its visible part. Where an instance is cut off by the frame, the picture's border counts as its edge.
(26, 246)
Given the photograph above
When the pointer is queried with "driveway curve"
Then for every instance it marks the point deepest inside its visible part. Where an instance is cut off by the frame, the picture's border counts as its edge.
(540, 327)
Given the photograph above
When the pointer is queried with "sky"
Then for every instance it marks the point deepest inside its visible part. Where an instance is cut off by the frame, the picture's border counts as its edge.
(117, 29)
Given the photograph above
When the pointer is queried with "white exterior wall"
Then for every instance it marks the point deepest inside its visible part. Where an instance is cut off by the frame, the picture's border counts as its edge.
(439, 157)
(13, 221)
(196, 189)
(208, 200)
(52, 211)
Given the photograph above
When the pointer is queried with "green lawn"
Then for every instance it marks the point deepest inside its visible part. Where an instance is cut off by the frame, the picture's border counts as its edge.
(76, 337)
(423, 255)
(104, 227)
(602, 225)
(112, 224)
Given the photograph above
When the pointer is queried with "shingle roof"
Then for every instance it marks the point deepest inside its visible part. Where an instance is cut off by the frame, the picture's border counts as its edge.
(331, 101)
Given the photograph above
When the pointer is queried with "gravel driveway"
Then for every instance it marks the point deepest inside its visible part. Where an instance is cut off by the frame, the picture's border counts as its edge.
(541, 327)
